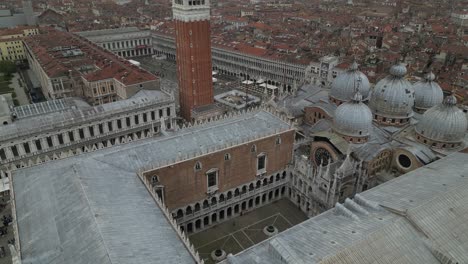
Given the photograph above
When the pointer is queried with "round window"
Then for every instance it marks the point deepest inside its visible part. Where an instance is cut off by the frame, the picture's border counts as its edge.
(404, 161)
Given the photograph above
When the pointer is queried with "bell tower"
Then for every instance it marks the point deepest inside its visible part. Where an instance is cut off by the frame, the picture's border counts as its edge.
(193, 54)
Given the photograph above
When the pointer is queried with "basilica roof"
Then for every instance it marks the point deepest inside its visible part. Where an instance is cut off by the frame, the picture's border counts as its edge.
(393, 96)
(345, 84)
(444, 122)
(353, 118)
(393, 222)
(427, 93)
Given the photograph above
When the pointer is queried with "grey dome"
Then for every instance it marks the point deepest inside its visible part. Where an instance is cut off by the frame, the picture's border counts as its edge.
(427, 93)
(444, 122)
(393, 96)
(344, 85)
(353, 118)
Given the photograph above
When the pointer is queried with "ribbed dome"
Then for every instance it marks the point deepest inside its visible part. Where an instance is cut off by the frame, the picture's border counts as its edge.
(444, 122)
(393, 96)
(344, 85)
(353, 118)
(427, 93)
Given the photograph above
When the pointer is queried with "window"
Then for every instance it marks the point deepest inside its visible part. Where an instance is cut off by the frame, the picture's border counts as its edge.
(160, 113)
(49, 142)
(212, 180)
(198, 166)
(26, 147)
(91, 131)
(128, 121)
(119, 123)
(14, 150)
(168, 111)
(278, 140)
(137, 120)
(60, 138)
(227, 156)
(261, 163)
(253, 148)
(81, 132)
(154, 180)
(38, 145)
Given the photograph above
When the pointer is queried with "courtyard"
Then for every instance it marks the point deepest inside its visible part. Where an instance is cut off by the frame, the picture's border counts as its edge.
(247, 230)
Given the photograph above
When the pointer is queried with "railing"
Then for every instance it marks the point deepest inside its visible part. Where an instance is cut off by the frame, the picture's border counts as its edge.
(231, 201)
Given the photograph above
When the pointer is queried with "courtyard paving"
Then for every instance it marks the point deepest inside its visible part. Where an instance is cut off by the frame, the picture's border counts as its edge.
(245, 231)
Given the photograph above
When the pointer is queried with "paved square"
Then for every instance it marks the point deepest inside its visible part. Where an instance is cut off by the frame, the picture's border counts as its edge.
(245, 231)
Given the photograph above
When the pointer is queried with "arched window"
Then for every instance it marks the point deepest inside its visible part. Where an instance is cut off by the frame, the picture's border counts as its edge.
(278, 140)
(227, 156)
(253, 148)
(154, 180)
(198, 166)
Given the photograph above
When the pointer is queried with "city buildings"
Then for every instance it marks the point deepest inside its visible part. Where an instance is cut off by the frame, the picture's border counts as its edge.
(57, 129)
(245, 65)
(261, 143)
(11, 42)
(124, 42)
(233, 172)
(376, 168)
(68, 65)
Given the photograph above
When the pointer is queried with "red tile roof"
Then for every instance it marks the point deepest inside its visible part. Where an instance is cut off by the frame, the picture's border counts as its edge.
(50, 49)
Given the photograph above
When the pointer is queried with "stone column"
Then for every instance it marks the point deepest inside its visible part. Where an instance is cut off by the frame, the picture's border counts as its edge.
(20, 149)
(86, 132)
(32, 146)
(44, 144)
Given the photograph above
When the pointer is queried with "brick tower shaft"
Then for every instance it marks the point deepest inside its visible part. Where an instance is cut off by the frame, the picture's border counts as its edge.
(193, 54)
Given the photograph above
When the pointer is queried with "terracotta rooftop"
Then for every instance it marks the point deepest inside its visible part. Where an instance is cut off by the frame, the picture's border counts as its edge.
(14, 31)
(61, 53)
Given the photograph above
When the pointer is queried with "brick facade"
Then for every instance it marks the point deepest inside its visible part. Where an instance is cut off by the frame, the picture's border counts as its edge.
(184, 185)
(313, 114)
(194, 70)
